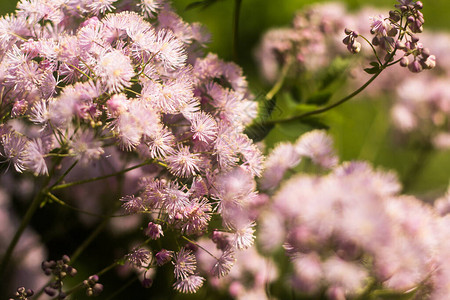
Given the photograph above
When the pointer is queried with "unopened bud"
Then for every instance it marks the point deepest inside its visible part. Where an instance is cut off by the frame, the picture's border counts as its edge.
(392, 32)
(147, 282)
(404, 62)
(49, 291)
(430, 62)
(346, 40)
(356, 47)
(418, 5)
(394, 16)
(376, 41)
(400, 45)
(426, 52)
(415, 67)
(97, 289)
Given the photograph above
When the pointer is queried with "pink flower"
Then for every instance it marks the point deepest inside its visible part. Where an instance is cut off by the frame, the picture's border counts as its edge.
(184, 263)
(14, 146)
(183, 163)
(151, 7)
(318, 146)
(34, 157)
(189, 284)
(101, 6)
(224, 264)
(204, 127)
(154, 231)
(115, 70)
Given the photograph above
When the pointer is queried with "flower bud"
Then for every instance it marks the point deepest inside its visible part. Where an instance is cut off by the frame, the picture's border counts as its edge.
(375, 41)
(49, 291)
(347, 31)
(400, 45)
(97, 289)
(415, 67)
(392, 32)
(430, 62)
(153, 231)
(66, 259)
(404, 62)
(163, 257)
(147, 283)
(346, 40)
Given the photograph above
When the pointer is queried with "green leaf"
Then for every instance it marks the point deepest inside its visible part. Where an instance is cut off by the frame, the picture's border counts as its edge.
(375, 68)
(257, 131)
(371, 70)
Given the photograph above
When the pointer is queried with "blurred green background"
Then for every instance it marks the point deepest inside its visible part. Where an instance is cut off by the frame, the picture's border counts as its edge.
(361, 128)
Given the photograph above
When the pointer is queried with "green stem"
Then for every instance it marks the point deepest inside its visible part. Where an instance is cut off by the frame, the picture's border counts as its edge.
(198, 245)
(237, 11)
(277, 86)
(373, 49)
(87, 241)
(61, 202)
(326, 108)
(25, 221)
(122, 288)
(103, 271)
(63, 175)
(66, 185)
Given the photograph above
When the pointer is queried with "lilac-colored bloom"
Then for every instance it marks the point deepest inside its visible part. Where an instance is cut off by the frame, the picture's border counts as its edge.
(163, 257)
(153, 231)
(101, 6)
(224, 264)
(318, 146)
(184, 263)
(139, 257)
(85, 147)
(34, 157)
(115, 69)
(151, 7)
(14, 146)
(183, 163)
(189, 284)
(204, 127)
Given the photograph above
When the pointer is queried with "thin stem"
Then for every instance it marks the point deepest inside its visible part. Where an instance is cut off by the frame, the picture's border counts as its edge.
(25, 221)
(87, 241)
(131, 91)
(103, 271)
(65, 204)
(79, 70)
(326, 108)
(122, 288)
(237, 11)
(63, 175)
(66, 185)
(198, 245)
(373, 49)
(277, 86)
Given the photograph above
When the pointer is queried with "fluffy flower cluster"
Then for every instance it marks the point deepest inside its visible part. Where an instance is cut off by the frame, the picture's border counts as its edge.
(307, 45)
(350, 230)
(77, 80)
